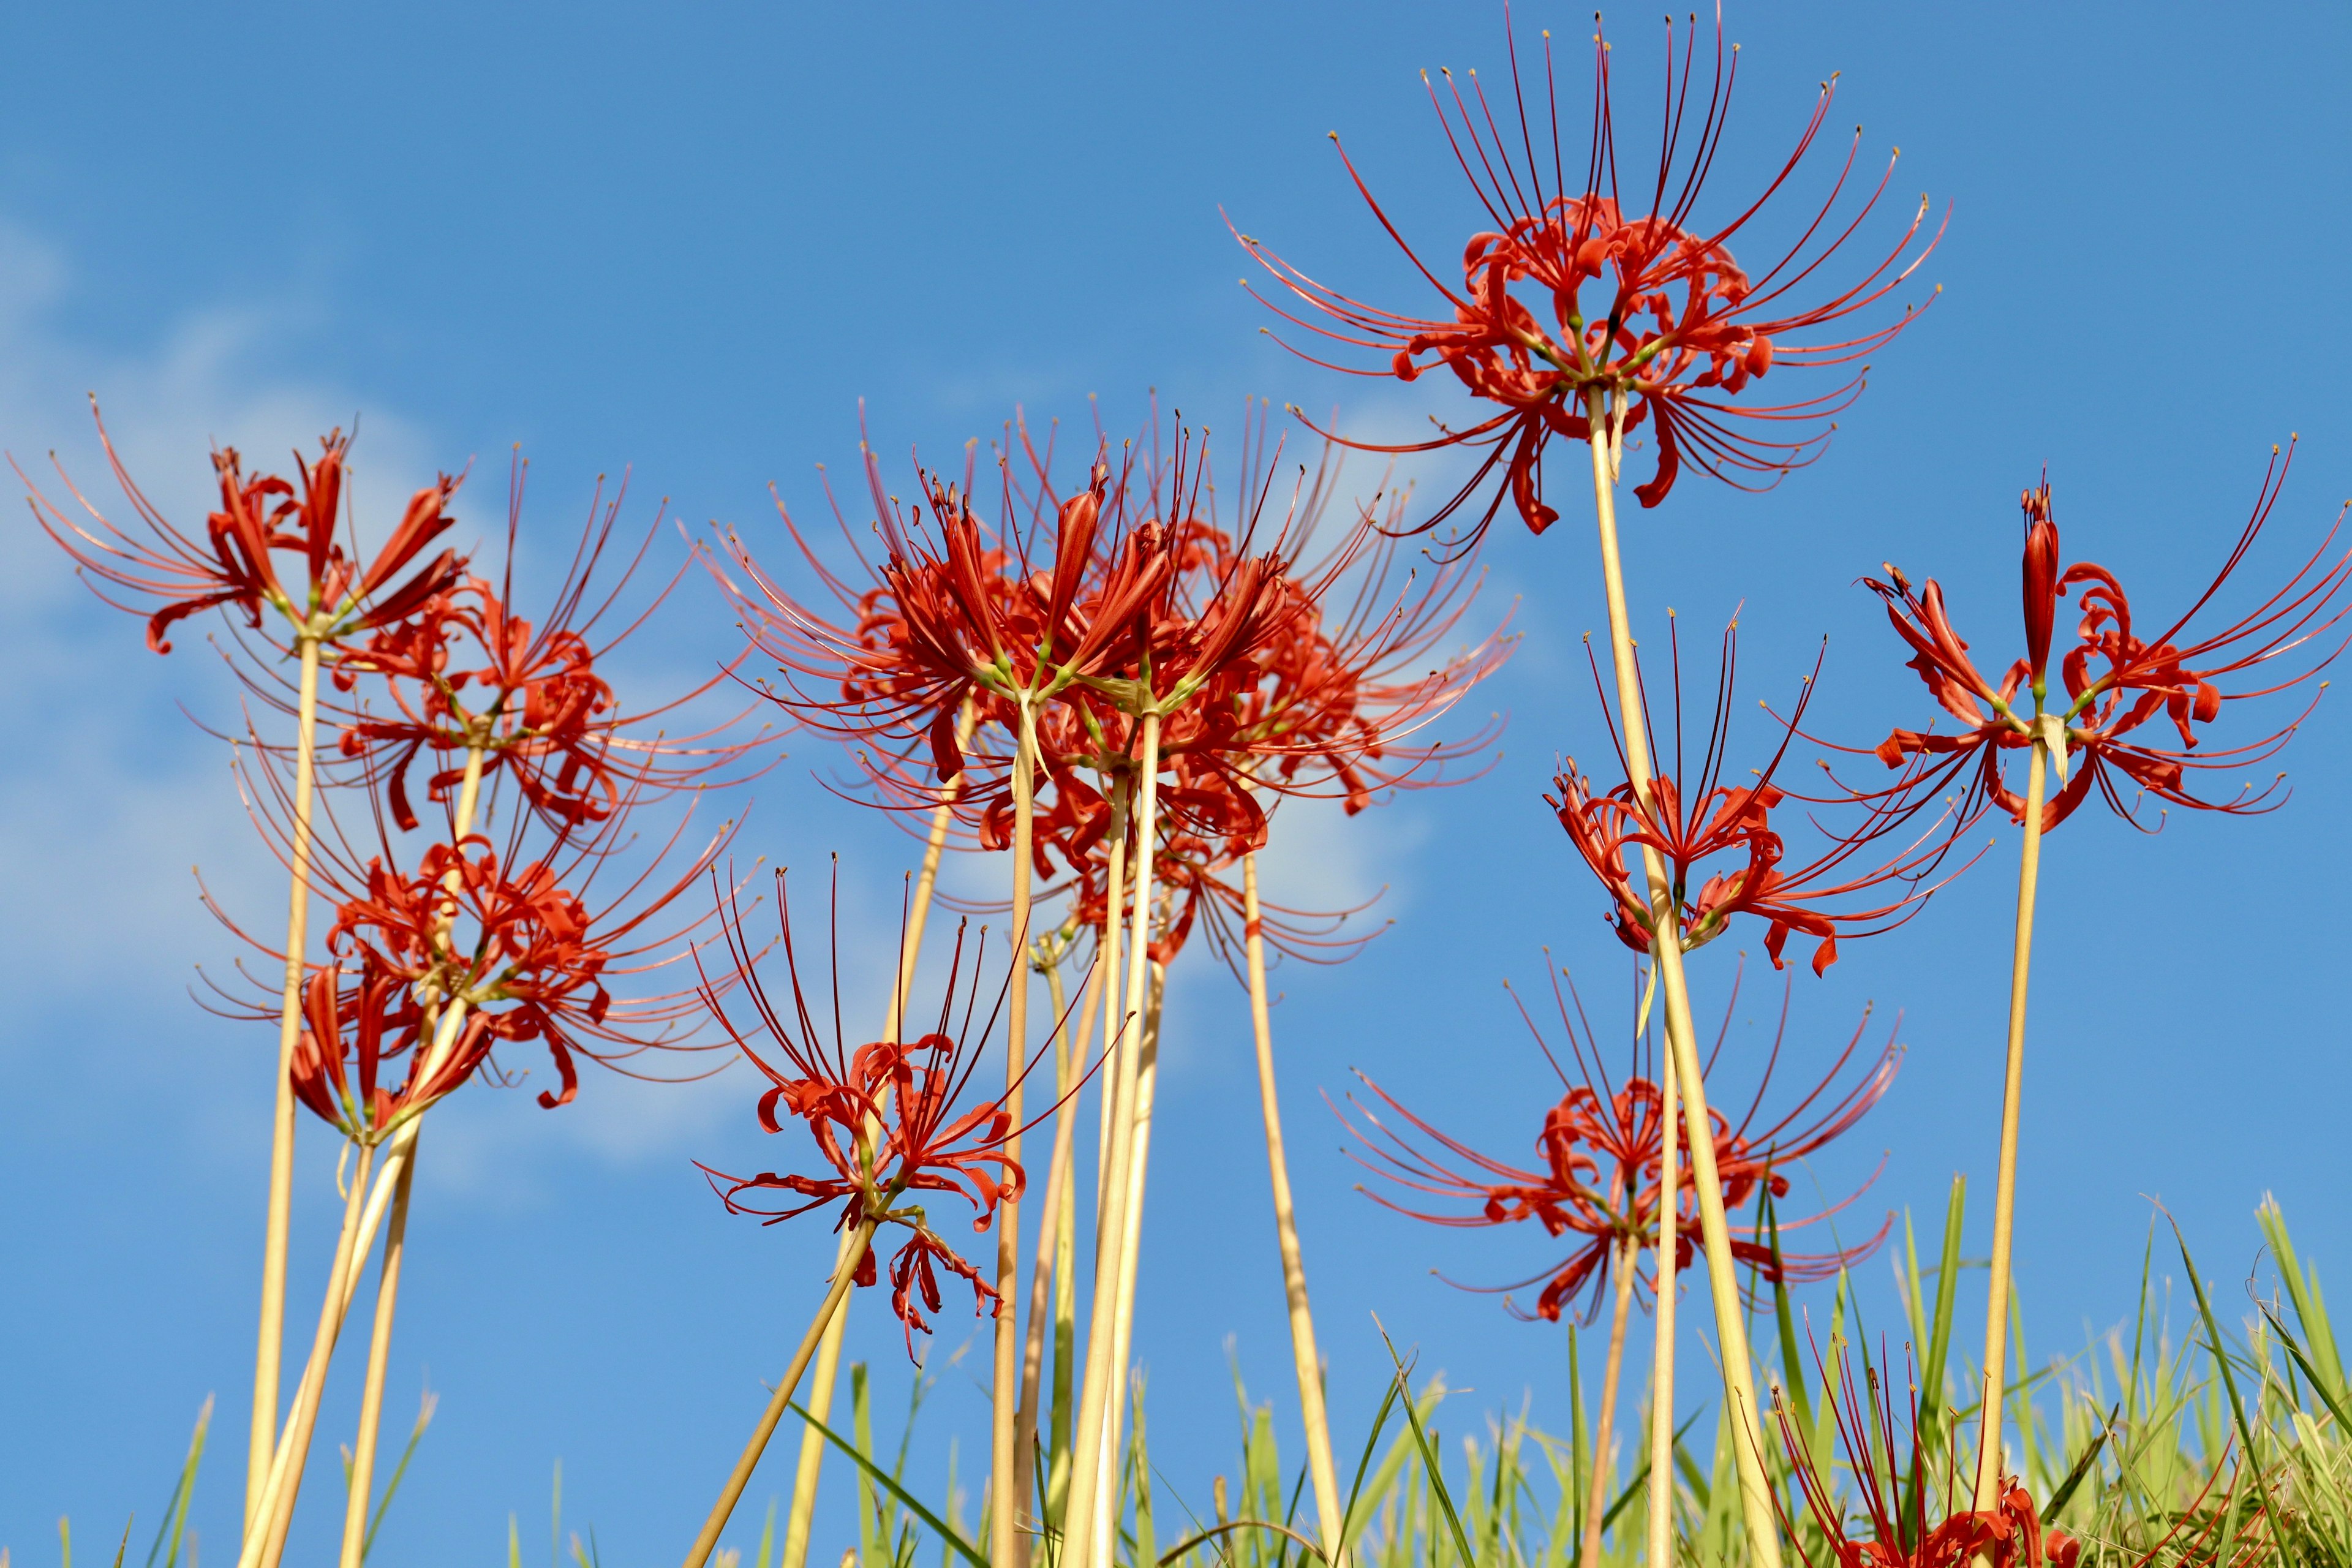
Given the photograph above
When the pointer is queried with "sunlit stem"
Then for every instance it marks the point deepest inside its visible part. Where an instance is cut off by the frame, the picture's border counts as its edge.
(740, 1475)
(1130, 1252)
(2004, 1202)
(270, 1352)
(826, 1369)
(265, 1533)
(1665, 945)
(1004, 1390)
(1107, 963)
(1104, 1377)
(1628, 1256)
(356, 1513)
(450, 1026)
(1303, 1353)
(1662, 1370)
(1051, 1291)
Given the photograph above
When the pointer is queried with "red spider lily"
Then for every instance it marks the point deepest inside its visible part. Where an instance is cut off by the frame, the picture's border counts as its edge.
(887, 1119)
(1725, 856)
(1140, 604)
(464, 672)
(234, 565)
(2117, 681)
(1324, 704)
(374, 1020)
(1581, 303)
(1603, 1150)
(530, 933)
(1893, 1517)
(524, 944)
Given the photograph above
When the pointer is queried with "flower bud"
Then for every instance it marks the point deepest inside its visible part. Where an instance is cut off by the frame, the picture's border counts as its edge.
(2041, 577)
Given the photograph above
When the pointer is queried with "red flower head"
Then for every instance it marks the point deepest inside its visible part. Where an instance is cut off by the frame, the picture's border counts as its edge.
(1598, 303)
(1058, 589)
(466, 671)
(523, 949)
(1895, 1518)
(525, 939)
(888, 1120)
(1602, 1152)
(235, 566)
(2117, 681)
(1146, 592)
(351, 1031)
(1725, 855)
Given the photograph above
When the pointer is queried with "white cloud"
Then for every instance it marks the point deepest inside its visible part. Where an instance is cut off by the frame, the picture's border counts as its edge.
(108, 795)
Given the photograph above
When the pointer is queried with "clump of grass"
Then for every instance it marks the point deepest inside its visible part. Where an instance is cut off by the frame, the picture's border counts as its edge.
(2177, 1445)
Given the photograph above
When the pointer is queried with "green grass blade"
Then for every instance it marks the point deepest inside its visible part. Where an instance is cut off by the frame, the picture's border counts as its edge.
(1429, 1456)
(1792, 1367)
(906, 1499)
(1643, 1474)
(175, 1512)
(2229, 1384)
(2065, 1490)
(2322, 1365)
(392, 1488)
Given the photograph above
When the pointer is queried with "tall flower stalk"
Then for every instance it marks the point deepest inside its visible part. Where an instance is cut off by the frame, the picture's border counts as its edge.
(169, 575)
(1584, 314)
(890, 1127)
(1611, 1154)
(1147, 676)
(2093, 731)
(826, 1370)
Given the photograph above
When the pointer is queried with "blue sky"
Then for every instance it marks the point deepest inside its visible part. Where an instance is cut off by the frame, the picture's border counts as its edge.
(691, 243)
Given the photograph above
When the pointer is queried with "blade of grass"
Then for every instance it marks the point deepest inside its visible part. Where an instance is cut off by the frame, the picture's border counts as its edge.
(1428, 1452)
(424, 1409)
(1792, 1367)
(1214, 1531)
(2230, 1385)
(175, 1512)
(2082, 1468)
(1643, 1474)
(955, 1541)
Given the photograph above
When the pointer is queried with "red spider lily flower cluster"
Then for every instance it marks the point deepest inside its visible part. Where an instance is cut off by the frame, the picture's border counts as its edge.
(2122, 686)
(521, 939)
(168, 574)
(466, 673)
(513, 934)
(1600, 302)
(1131, 597)
(887, 1119)
(350, 1032)
(1895, 1518)
(1724, 855)
(1603, 1150)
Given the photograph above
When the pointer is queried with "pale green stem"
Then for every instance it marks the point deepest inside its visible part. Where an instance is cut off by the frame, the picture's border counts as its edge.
(269, 1354)
(1723, 1284)
(810, 1467)
(1305, 1358)
(2029, 875)
(1005, 1389)
(1104, 1375)
(740, 1475)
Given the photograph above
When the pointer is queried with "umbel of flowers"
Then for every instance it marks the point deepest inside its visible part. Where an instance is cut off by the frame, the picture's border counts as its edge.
(474, 829)
(1117, 682)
